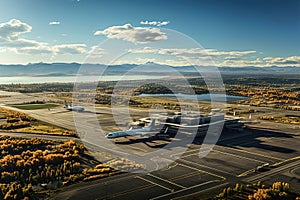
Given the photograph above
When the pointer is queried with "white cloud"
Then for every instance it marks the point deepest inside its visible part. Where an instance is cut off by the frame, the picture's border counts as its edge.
(54, 23)
(133, 34)
(95, 51)
(2, 50)
(292, 60)
(12, 29)
(144, 50)
(70, 48)
(263, 62)
(24, 46)
(145, 60)
(41, 49)
(19, 43)
(204, 57)
(229, 53)
(181, 57)
(155, 23)
(175, 63)
(135, 61)
(192, 52)
(9, 38)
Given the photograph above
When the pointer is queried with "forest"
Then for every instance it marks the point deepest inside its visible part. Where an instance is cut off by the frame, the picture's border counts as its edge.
(258, 191)
(31, 168)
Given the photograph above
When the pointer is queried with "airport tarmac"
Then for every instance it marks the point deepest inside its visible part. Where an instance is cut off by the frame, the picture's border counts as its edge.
(190, 176)
(233, 159)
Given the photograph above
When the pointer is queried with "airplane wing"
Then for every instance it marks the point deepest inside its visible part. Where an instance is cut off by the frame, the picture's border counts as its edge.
(166, 130)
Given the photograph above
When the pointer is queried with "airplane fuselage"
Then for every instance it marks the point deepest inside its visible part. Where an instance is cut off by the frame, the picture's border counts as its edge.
(75, 108)
(142, 131)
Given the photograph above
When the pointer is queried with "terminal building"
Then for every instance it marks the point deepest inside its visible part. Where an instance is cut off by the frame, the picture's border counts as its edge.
(168, 125)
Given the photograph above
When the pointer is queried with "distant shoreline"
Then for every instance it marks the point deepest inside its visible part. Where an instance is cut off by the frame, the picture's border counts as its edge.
(5, 80)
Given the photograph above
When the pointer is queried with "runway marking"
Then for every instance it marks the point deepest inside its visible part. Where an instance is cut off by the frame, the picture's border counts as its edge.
(166, 180)
(200, 170)
(193, 154)
(283, 161)
(188, 151)
(166, 188)
(138, 148)
(173, 179)
(258, 154)
(206, 166)
(294, 174)
(246, 173)
(110, 181)
(182, 190)
(239, 156)
(184, 176)
(221, 185)
(273, 171)
(115, 152)
(171, 166)
(130, 191)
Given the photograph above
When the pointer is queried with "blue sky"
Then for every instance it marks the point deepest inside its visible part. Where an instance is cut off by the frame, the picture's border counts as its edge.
(268, 30)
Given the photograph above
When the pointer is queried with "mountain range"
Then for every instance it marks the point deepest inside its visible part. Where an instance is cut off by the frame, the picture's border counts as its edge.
(69, 69)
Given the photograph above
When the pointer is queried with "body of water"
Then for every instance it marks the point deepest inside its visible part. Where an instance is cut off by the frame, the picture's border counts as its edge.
(201, 97)
(70, 79)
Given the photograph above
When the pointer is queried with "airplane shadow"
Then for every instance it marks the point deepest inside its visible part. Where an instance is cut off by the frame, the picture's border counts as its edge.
(146, 140)
(85, 111)
(250, 140)
(64, 111)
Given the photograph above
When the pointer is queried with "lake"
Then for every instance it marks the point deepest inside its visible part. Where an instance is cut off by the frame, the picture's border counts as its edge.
(200, 97)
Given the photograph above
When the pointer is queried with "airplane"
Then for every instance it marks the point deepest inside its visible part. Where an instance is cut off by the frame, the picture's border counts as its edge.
(73, 108)
(132, 132)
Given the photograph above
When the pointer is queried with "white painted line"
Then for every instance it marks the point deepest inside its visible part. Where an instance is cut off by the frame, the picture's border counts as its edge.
(239, 156)
(171, 190)
(167, 181)
(258, 154)
(205, 166)
(194, 186)
(200, 170)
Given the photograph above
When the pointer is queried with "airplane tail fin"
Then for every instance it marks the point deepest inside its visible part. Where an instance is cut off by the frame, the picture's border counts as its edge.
(152, 124)
(66, 104)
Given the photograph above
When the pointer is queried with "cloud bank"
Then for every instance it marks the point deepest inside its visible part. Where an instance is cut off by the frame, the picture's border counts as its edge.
(133, 34)
(205, 57)
(10, 38)
(12, 29)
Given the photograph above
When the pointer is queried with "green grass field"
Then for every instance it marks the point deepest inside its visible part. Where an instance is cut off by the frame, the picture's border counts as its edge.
(35, 106)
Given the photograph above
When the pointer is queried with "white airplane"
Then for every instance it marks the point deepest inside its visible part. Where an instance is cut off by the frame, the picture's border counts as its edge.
(73, 108)
(132, 132)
